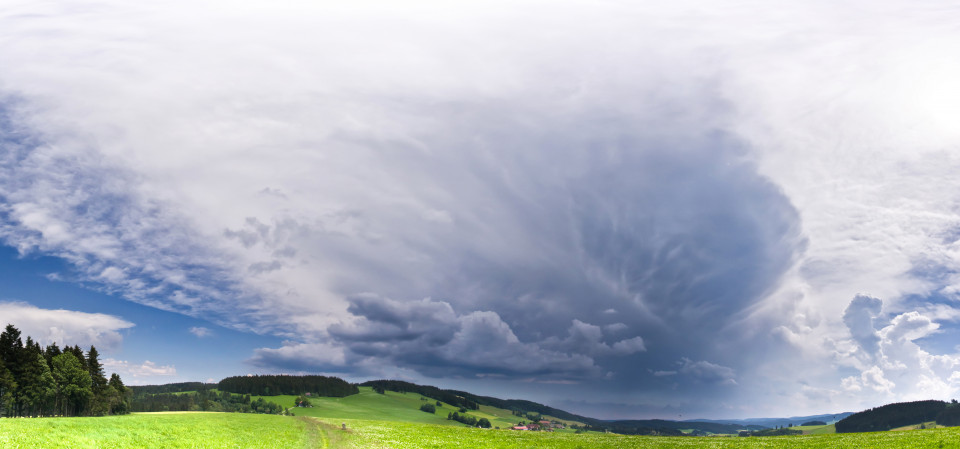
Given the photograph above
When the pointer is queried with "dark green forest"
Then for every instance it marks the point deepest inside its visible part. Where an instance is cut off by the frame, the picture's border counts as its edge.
(891, 416)
(267, 385)
(51, 381)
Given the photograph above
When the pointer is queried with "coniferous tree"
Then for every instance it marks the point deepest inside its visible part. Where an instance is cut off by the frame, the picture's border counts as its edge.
(12, 353)
(119, 404)
(9, 339)
(52, 351)
(78, 353)
(7, 387)
(99, 405)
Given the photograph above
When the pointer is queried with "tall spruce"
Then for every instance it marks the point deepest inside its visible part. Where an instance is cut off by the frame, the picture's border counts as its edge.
(52, 351)
(119, 404)
(11, 352)
(78, 353)
(99, 403)
(7, 387)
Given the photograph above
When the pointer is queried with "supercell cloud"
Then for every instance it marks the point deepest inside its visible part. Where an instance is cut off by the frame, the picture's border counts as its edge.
(661, 208)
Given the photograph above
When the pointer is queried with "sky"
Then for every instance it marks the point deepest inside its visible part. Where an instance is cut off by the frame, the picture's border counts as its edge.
(682, 209)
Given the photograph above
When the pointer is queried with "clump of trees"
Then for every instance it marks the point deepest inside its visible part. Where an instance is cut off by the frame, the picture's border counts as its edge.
(429, 408)
(269, 385)
(469, 420)
(51, 381)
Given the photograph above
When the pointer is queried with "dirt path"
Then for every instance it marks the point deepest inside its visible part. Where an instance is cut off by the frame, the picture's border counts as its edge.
(316, 435)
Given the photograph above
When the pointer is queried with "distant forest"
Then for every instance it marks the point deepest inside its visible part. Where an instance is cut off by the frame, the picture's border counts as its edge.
(50, 381)
(294, 385)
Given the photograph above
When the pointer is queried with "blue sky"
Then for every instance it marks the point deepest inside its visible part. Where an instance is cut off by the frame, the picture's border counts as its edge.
(732, 209)
(149, 339)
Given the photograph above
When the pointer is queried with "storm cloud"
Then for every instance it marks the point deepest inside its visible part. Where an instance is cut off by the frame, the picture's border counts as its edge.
(668, 205)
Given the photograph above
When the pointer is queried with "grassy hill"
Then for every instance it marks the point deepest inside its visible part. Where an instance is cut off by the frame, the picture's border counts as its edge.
(393, 406)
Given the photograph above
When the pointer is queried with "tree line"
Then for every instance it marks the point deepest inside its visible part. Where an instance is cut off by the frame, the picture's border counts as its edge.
(51, 381)
(269, 385)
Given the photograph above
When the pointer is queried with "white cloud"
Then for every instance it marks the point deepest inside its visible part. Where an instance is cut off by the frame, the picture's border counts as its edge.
(65, 327)
(891, 363)
(200, 332)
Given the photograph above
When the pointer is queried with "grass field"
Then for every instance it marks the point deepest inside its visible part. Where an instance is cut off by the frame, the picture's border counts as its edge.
(162, 430)
(391, 406)
(400, 435)
(232, 430)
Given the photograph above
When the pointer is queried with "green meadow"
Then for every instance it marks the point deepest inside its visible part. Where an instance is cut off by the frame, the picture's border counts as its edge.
(400, 435)
(235, 430)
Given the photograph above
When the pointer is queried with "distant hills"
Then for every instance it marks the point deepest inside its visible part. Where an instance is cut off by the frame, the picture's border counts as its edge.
(891, 416)
(777, 422)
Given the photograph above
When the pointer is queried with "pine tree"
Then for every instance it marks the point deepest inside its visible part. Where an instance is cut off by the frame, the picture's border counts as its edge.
(78, 353)
(7, 387)
(11, 354)
(52, 351)
(99, 404)
(119, 404)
